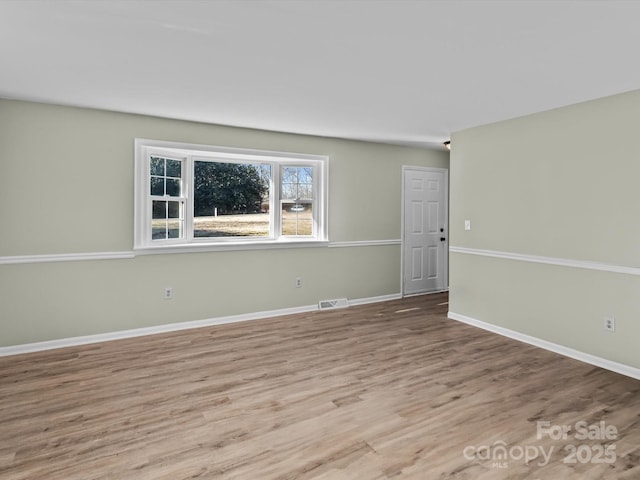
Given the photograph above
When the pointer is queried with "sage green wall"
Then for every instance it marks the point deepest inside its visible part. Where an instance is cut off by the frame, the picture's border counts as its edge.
(67, 187)
(560, 184)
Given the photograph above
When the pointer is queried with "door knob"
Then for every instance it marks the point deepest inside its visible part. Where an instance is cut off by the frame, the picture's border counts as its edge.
(442, 239)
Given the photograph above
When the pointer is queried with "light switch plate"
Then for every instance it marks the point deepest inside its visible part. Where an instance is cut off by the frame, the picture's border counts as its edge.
(467, 224)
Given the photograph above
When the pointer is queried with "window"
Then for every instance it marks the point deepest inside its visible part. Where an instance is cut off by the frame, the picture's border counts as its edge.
(296, 195)
(167, 202)
(195, 195)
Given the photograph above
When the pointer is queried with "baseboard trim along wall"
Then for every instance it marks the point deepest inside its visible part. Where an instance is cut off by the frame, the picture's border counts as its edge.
(173, 327)
(553, 347)
(564, 262)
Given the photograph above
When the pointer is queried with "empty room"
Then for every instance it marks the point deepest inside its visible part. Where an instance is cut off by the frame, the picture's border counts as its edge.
(319, 240)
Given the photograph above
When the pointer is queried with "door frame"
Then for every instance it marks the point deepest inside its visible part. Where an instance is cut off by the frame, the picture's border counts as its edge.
(405, 168)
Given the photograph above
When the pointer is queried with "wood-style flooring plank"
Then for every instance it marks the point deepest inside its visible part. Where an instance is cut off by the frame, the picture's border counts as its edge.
(393, 390)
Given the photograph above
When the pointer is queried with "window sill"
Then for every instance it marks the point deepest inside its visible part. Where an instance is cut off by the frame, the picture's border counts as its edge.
(227, 246)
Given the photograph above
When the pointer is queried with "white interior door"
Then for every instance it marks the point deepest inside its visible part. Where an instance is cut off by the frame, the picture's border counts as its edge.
(425, 243)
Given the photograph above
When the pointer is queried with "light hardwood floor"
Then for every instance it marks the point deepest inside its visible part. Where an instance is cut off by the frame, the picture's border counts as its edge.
(388, 390)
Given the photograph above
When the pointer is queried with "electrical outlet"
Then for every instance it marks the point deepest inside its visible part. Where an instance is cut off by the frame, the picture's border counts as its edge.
(168, 293)
(298, 282)
(609, 324)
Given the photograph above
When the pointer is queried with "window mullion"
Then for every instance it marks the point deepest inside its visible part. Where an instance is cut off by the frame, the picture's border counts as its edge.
(166, 218)
(189, 182)
(314, 199)
(276, 202)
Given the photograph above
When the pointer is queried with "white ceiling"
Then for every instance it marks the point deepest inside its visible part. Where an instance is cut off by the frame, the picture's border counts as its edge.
(396, 71)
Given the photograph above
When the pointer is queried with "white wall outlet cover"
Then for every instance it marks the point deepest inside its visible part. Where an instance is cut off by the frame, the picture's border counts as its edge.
(467, 224)
(610, 324)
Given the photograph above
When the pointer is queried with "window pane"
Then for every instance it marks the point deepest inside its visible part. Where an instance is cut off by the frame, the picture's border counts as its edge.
(305, 191)
(159, 209)
(231, 199)
(297, 183)
(290, 175)
(159, 230)
(166, 177)
(174, 228)
(167, 220)
(157, 186)
(297, 219)
(173, 187)
(305, 174)
(173, 210)
(289, 183)
(157, 166)
(174, 168)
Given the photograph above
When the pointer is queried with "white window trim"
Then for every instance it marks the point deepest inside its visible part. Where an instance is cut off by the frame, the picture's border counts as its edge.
(142, 241)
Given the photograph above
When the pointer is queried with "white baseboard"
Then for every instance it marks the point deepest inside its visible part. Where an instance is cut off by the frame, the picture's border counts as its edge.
(553, 347)
(381, 298)
(173, 327)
